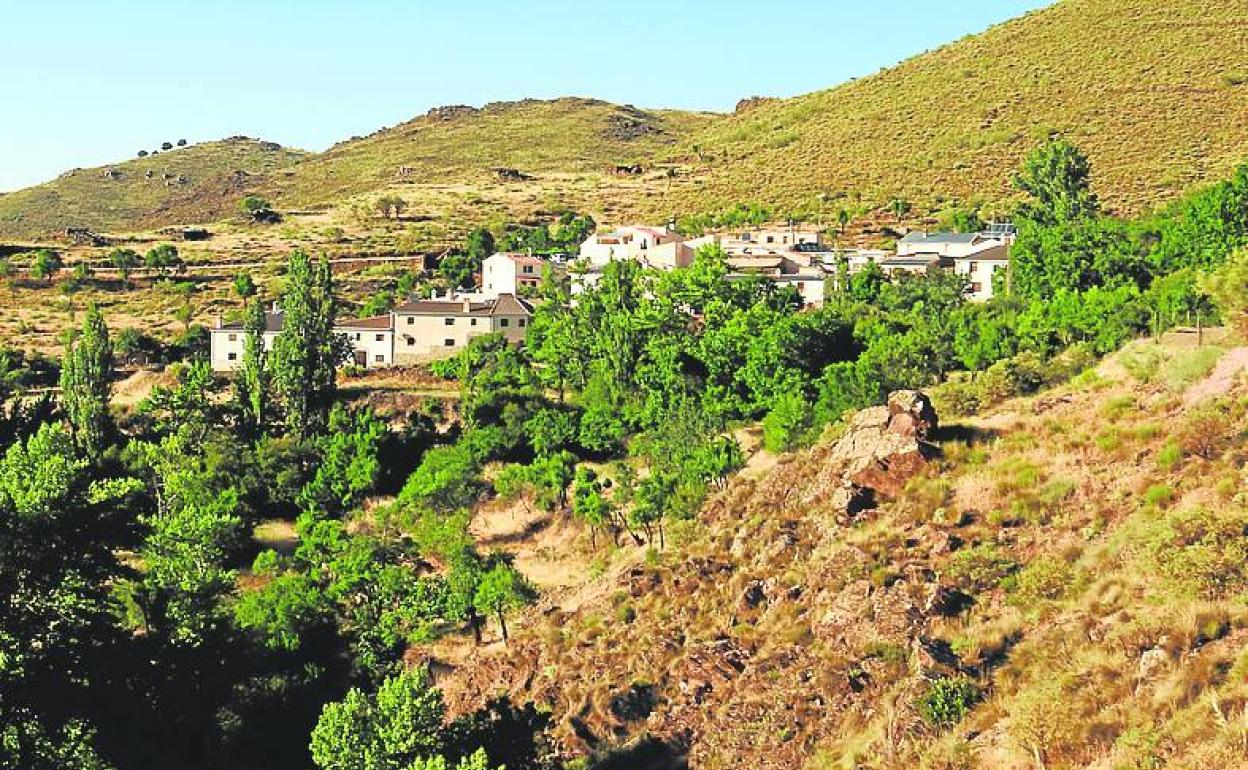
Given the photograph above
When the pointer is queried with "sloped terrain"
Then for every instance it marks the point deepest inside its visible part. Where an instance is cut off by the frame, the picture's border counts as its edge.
(533, 138)
(203, 182)
(1156, 91)
(1048, 591)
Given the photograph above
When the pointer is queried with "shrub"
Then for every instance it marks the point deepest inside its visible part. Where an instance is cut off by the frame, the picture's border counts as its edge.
(1158, 495)
(1202, 552)
(980, 568)
(1170, 456)
(1045, 579)
(947, 701)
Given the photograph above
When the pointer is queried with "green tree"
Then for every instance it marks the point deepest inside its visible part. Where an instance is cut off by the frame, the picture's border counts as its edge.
(251, 385)
(1058, 178)
(87, 384)
(45, 264)
(163, 258)
(398, 728)
(1228, 287)
(306, 353)
(245, 286)
(500, 591)
(125, 261)
(349, 463)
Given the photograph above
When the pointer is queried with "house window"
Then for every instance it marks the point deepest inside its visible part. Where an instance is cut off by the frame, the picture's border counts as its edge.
(976, 288)
(771, 239)
(411, 320)
(379, 358)
(449, 322)
(357, 336)
(528, 268)
(974, 266)
(232, 357)
(410, 341)
(448, 342)
(503, 322)
(472, 322)
(233, 338)
(522, 322)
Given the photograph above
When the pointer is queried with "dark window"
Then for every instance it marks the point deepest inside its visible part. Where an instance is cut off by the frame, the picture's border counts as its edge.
(503, 323)
(522, 322)
(410, 342)
(450, 343)
(232, 356)
(449, 322)
(233, 337)
(528, 268)
(411, 320)
(381, 338)
(472, 322)
(379, 358)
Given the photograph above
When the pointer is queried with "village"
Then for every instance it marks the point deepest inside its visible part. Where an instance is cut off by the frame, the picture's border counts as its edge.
(797, 256)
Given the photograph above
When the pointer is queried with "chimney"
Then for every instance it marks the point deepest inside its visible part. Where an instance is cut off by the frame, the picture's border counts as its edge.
(277, 307)
(219, 322)
(467, 305)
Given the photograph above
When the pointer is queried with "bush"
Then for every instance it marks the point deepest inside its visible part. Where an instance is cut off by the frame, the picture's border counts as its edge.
(787, 423)
(980, 568)
(1202, 552)
(1045, 579)
(947, 701)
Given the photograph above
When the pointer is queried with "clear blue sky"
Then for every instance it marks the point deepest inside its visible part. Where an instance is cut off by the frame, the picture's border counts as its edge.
(88, 82)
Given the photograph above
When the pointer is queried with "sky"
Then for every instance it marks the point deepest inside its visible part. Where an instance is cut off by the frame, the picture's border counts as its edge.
(88, 82)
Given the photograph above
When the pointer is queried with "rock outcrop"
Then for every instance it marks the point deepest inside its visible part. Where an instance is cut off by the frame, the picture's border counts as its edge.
(883, 448)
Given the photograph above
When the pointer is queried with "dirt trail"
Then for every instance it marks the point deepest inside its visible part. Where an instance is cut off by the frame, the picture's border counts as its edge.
(1220, 381)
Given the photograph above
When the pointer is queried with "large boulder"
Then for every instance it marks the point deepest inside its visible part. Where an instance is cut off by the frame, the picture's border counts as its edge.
(883, 448)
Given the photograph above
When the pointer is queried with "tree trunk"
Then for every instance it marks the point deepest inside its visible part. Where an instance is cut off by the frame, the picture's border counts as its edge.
(502, 624)
(474, 620)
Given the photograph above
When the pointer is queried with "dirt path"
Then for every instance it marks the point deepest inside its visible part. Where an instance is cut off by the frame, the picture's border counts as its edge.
(1219, 382)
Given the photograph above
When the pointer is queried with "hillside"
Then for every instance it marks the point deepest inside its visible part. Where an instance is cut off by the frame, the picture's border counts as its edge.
(468, 145)
(1044, 591)
(1156, 91)
(187, 185)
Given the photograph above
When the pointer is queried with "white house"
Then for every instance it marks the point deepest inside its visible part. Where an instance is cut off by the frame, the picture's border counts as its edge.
(978, 256)
(372, 339)
(416, 331)
(770, 240)
(639, 243)
(225, 341)
(509, 273)
(435, 328)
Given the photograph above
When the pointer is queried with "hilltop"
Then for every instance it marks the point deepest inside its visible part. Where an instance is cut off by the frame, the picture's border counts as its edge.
(181, 186)
(1155, 92)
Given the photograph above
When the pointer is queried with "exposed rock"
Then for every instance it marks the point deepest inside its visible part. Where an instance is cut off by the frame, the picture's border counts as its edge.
(751, 103)
(884, 447)
(1151, 662)
(755, 594)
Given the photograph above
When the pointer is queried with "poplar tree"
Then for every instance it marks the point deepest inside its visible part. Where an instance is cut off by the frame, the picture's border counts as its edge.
(306, 352)
(87, 384)
(251, 387)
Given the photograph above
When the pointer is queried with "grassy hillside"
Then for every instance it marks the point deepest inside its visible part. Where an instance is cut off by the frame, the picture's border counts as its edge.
(466, 145)
(1155, 90)
(186, 185)
(1052, 591)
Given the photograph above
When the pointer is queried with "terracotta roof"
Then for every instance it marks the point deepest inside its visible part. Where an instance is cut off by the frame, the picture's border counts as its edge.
(380, 322)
